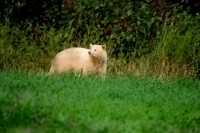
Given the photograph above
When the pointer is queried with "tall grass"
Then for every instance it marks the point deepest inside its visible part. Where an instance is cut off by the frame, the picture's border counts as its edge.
(177, 49)
(24, 49)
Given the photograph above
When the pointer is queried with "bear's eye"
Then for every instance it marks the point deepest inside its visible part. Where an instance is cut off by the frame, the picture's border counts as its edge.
(95, 50)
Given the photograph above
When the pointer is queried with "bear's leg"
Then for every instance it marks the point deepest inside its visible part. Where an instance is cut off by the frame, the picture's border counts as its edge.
(51, 71)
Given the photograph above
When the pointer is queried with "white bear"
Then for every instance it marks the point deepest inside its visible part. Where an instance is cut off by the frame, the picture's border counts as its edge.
(81, 60)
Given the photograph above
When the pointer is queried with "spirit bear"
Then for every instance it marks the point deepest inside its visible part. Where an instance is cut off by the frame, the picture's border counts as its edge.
(81, 60)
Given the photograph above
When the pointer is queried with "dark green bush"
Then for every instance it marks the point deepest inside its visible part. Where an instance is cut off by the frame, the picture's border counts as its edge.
(128, 24)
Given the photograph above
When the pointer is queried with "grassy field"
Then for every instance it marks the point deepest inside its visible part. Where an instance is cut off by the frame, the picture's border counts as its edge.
(34, 103)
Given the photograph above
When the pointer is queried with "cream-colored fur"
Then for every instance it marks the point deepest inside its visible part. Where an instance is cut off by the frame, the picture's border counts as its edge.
(81, 60)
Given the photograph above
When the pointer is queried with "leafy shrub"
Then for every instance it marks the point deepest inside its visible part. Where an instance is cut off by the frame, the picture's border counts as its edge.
(128, 24)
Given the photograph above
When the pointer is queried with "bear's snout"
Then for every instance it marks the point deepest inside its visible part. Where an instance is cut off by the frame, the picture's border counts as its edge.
(89, 52)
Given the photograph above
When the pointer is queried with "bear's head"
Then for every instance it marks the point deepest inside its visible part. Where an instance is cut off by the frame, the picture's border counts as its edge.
(98, 52)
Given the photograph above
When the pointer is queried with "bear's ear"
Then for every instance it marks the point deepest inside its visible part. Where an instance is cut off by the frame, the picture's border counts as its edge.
(91, 45)
(104, 46)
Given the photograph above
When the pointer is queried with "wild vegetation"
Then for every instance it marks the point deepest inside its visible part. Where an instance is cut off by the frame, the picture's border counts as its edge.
(142, 37)
(149, 38)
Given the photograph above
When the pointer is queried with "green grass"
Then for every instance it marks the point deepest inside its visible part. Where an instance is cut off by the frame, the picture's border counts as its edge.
(119, 104)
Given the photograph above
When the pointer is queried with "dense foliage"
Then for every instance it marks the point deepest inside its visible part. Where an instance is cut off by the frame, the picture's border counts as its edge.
(131, 29)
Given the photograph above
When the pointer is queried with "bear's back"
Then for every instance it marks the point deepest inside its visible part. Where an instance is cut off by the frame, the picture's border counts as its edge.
(72, 53)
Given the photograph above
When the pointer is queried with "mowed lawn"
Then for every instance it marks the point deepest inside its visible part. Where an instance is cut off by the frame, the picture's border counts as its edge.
(38, 103)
